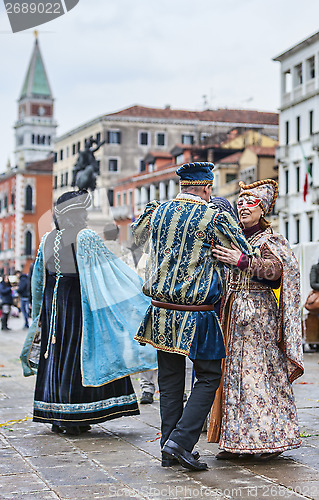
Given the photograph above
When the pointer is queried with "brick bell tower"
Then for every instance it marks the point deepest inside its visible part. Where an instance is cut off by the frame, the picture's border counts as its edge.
(35, 127)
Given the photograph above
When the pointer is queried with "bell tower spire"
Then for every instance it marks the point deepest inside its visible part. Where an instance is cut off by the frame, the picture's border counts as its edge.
(35, 127)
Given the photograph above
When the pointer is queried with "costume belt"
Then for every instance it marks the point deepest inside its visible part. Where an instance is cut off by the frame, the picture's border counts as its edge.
(182, 307)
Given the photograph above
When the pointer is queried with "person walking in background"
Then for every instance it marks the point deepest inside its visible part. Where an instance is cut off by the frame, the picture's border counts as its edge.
(24, 291)
(314, 277)
(6, 300)
(264, 354)
(185, 281)
(87, 305)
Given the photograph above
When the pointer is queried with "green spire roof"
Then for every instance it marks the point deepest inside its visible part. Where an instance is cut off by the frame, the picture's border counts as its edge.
(36, 82)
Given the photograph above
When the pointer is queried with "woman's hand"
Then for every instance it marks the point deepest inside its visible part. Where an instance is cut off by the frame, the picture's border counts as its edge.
(227, 255)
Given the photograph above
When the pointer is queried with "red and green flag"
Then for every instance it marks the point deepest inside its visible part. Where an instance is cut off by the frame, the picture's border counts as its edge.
(308, 179)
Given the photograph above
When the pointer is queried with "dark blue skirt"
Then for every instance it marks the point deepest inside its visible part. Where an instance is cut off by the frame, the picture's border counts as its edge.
(60, 398)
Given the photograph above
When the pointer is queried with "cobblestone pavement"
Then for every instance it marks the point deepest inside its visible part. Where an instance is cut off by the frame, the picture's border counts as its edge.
(121, 458)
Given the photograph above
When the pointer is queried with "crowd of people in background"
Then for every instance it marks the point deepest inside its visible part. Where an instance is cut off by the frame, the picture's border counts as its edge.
(15, 298)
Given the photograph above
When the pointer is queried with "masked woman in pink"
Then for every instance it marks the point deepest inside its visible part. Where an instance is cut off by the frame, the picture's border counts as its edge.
(263, 333)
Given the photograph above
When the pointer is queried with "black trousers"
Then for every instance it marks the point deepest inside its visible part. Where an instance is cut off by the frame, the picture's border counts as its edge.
(184, 425)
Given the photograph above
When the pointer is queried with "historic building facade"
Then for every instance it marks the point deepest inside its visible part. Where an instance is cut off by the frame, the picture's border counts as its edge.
(247, 161)
(131, 133)
(25, 213)
(298, 161)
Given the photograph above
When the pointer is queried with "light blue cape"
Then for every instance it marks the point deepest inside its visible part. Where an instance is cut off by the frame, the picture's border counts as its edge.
(113, 306)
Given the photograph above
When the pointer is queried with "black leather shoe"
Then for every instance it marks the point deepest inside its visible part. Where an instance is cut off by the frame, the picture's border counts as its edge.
(146, 398)
(169, 462)
(56, 429)
(185, 458)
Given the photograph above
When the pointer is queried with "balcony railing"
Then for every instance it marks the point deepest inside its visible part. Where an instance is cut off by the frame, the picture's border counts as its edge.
(282, 204)
(315, 141)
(122, 212)
(315, 195)
(282, 153)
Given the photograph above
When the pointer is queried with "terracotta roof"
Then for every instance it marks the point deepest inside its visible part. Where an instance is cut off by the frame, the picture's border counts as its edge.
(45, 165)
(234, 158)
(214, 115)
(159, 154)
(262, 151)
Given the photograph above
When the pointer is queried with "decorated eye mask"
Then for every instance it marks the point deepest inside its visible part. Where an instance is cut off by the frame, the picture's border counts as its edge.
(248, 201)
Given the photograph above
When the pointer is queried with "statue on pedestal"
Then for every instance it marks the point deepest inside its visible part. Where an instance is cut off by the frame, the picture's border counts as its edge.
(86, 169)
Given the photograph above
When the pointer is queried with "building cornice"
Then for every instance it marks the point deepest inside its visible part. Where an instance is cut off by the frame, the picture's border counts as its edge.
(173, 121)
(296, 48)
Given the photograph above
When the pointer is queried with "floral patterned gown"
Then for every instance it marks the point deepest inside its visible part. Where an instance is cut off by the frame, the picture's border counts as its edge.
(259, 412)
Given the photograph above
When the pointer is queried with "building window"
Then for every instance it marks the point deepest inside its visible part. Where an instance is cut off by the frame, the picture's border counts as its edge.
(28, 243)
(61, 181)
(179, 159)
(124, 198)
(55, 157)
(28, 205)
(33, 138)
(287, 82)
(38, 139)
(61, 154)
(311, 71)
(142, 166)
(311, 122)
(187, 139)
(231, 177)
(286, 181)
(114, 137)
(287, 230)
(118, 199)
(113, 165)
(66, 178)
(287, 132)
(310, 228)
(67, 152)
(78, 146)
(297, 179)
(12, 198)
(130, 198)
(5, 202)
(98, 137)
(144, 138)
(49, 140)
(298, 128)
(160, 140)
(310, 166)
(298, 75)
(73, 149)
(55, 182)
(297, 230)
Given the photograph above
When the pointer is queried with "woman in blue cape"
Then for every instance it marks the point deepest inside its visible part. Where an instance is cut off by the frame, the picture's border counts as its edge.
(87, 305)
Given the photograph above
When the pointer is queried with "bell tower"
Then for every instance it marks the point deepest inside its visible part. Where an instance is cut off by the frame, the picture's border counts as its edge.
(35, 127)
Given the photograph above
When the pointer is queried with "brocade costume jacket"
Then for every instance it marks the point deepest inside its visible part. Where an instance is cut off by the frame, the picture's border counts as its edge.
(182, 270)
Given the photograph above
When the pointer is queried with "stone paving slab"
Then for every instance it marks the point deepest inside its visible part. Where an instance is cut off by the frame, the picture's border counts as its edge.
(121, 458)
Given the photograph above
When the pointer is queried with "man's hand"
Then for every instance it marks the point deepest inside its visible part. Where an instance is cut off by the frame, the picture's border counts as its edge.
(227, 255)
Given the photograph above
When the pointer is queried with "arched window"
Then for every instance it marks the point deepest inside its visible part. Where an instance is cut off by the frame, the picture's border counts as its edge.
(28, 199)
(28, 243)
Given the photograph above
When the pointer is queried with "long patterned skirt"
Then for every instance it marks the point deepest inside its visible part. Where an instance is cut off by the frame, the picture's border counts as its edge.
(60, 398)
(259, 412)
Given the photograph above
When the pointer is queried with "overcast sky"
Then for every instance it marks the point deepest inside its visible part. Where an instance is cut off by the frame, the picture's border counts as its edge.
(105, 55)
